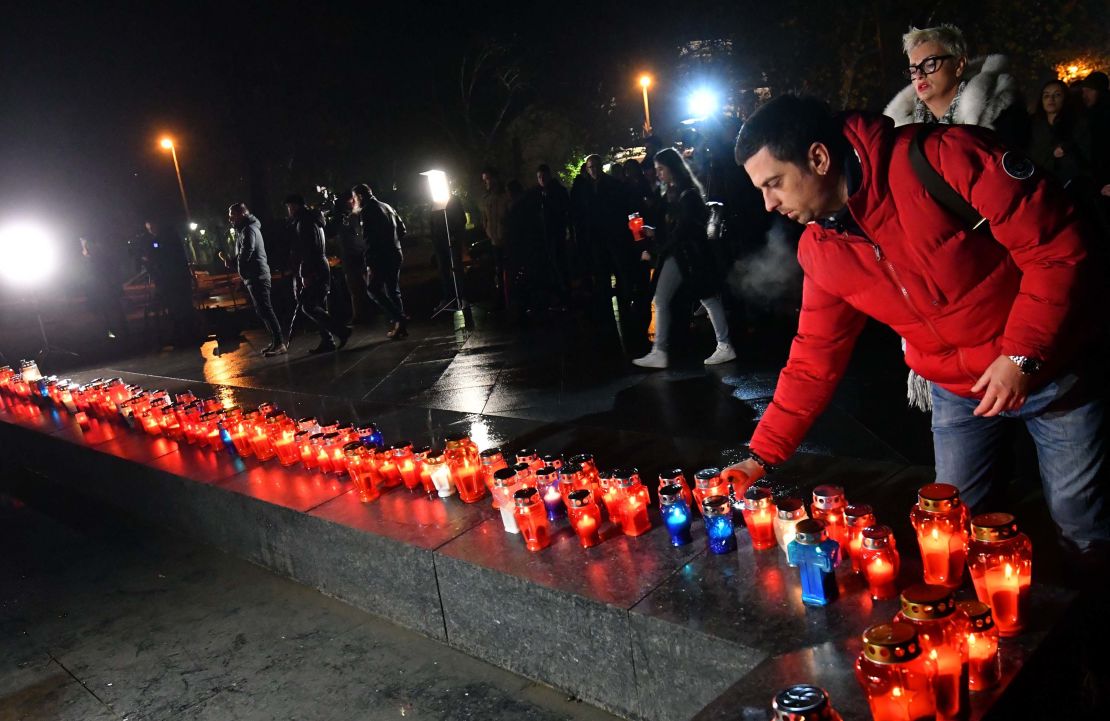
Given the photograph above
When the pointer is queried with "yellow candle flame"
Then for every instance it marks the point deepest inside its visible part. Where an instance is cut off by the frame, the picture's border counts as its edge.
(936, 534)
(896, 691)
(1009, 571)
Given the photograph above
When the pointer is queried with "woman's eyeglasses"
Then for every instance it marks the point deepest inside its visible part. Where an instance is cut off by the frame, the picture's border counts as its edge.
(928, 66)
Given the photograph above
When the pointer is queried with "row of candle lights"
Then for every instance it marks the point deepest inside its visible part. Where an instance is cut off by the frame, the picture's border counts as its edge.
(933, 652)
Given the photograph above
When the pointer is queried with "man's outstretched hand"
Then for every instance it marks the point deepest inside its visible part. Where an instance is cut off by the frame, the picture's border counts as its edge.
(741, 475)
(1004, 388)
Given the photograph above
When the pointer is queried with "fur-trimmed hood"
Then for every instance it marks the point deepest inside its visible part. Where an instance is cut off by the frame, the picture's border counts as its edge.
(989, 91)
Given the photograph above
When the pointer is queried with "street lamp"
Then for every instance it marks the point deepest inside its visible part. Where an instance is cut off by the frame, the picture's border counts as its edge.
(645, 83)
(167, 144)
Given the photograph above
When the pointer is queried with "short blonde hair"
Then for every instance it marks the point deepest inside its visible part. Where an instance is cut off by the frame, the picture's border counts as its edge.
(949, 36)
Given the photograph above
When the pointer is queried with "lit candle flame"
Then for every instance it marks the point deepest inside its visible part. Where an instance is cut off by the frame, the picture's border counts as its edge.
(1009, 571)
(896, 692)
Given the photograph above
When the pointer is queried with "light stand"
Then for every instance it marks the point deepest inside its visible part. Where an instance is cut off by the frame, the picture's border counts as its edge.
(29, 257)
(441, 196)
(47, 350)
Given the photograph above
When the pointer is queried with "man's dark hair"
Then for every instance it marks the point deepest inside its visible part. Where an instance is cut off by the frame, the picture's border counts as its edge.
(491, 172)
(788, 126)
(363, 191)
(294, 199)
(544, 168)
(238, 208)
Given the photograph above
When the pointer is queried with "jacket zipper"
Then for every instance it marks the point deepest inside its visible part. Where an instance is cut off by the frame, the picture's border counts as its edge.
(893, 275)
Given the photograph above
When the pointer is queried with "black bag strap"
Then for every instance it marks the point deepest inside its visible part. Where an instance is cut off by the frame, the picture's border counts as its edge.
(937, 186)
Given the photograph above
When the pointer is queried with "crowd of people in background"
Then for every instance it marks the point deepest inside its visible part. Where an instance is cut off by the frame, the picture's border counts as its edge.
(552, 248)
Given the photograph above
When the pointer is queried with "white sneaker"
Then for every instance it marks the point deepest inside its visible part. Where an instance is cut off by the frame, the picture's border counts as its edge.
(723, 354)
(655, 359)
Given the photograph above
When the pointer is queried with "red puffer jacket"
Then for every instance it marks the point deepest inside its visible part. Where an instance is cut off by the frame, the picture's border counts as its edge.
(959, 298)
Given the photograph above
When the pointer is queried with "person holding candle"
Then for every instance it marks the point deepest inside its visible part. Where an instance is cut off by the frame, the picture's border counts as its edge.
(1000, 324)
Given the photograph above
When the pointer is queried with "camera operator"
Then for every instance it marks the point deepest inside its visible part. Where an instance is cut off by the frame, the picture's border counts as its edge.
(382, 230)
(254, 269)
(311, 274)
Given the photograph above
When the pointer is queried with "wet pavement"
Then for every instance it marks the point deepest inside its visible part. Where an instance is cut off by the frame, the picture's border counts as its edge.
(104, 620)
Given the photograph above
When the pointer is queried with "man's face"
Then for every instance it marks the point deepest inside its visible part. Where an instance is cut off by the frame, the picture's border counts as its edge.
(1090, 97)
(802, 194)
(940, 83)
(235, 216)
(487, 181)
(542, 177)
(593, 167)
(291, 210)
(351, 203)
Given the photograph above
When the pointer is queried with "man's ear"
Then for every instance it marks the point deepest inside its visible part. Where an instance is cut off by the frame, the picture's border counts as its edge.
(820, 162)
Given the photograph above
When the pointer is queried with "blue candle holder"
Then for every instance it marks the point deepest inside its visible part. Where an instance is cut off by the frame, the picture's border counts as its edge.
(816, 557)
(719, 531)
(676, 514)
(225, 438)
(547, 483)
(373, 439)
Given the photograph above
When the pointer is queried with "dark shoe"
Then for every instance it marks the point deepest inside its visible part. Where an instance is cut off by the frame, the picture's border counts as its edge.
(344, 336)
(276, 350)
(326, 346)
(398, 332)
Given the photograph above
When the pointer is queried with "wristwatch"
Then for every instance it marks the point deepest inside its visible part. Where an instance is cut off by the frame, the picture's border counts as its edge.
(1028, 366)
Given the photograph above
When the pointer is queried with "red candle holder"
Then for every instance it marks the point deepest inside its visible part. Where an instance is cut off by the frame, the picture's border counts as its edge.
(261, 446)
(633, 500)
(1001, 561)
(585, 517)
(708, 483)
(553, 460)
(320, 448)
(548, 484)
(589, 466)
(531, 518)
(288, 452)
(462, 460)
(942, 630)
(984, 667)
(492, 460)
(569, 480)
(940, 520)
(150, 424)
(421, 456)
(759, 516)
(357, 461)
(828, 505)
(525, 473)
(897, 678)
(308, 424)
(676, 477)
(879, 562)
(857, 516)
(531, 457)
(404, 460)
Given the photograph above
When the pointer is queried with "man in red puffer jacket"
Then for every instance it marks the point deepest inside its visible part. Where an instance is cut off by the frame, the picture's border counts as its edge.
(997, 324)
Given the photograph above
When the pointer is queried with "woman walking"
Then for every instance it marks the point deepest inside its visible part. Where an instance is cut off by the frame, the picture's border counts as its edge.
(683, 256)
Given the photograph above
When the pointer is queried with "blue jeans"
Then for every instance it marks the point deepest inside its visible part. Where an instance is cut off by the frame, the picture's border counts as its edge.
(1071, 454)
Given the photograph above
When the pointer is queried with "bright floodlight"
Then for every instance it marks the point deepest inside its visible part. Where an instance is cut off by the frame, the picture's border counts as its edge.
(437, 184)
(27, 254)
(192, 226)
(166, 143)
(703, 104)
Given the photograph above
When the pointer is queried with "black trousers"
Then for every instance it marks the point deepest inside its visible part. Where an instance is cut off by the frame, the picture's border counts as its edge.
(259, 291)
(313, 303)
(383, 283)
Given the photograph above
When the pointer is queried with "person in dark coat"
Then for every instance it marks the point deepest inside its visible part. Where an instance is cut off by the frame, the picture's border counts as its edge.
(1060, 141)
(311, 273)
(104, 285)
(604, 209)
(382, 230)
(548, 204)
(1095, 89)
(163, 256)
(254, 269)
(343, 225)
(683, 256)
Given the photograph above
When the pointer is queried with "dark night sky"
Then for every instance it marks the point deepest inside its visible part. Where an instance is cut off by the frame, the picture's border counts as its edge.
(328, 92)
(87, 92)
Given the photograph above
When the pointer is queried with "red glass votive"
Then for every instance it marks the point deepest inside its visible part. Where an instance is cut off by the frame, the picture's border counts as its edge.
(828, 505)
(897, 677)
(491, 461)
(462, 460)
(984, 666)
(857, 516)
(288, 452)
(759, 516)
(404, 460)
(942, 630)
(421, 456)
(708, 483)
(879, 562)
(357, 460)
(585, 517)
(633, 501)
(1001, 561)
(940, 520)
(531, 518)
(677, 477)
